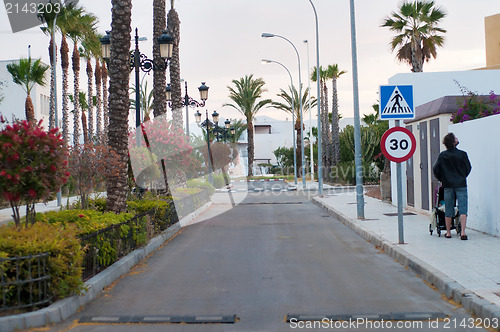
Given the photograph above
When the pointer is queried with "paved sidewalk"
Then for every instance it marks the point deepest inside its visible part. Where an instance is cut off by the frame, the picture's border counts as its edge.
(466, 271)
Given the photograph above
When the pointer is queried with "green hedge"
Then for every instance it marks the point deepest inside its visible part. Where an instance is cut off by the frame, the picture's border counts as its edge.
(64, 264)
(85, 221)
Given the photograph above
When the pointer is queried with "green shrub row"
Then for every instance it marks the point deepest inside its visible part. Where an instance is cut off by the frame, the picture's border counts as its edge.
(64, 264)
(85, 221)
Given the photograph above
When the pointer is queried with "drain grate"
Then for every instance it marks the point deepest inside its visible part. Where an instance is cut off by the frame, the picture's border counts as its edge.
(161, 319)
(366, 317)
(271, 203)
(396, 214)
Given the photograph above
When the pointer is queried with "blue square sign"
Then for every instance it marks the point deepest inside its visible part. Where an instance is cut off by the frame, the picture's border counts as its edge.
(396, 102)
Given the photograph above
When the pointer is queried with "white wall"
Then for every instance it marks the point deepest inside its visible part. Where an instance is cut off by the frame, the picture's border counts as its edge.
(479, 138)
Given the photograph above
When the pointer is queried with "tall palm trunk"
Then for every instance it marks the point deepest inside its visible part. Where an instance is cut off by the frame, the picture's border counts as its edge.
(325, 128)
(417, 61)
(335, 124)
(251, 146)
(159, 78)
(98, 111)
(104, 75)
(76, 99)
(84, 127)
(52, 104)
(119, 104)
(29, 109)
(90, 99)
(173, 28)
(299, 146)
(65, 99)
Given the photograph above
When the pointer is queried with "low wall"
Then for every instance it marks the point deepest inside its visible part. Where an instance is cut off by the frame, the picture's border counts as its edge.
(479, 138)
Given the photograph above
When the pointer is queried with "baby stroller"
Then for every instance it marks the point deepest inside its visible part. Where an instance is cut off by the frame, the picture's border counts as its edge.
(437, 216)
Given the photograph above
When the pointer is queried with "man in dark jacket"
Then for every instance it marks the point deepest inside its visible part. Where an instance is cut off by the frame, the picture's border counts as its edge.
(452, 168)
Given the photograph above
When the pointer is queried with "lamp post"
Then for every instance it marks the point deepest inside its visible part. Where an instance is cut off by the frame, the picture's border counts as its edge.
(219, 132)
(310, 112)
(293, 117)
(139, 61)
(320, 173)
(188, 101)
(357, 129)
(303, 168)
(54, 65)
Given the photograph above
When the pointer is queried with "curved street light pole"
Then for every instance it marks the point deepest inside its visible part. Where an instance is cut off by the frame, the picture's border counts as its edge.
(357, 129)
(54, 64)
(303, 167)
(320, 173)
(310, 112)
(293, 117)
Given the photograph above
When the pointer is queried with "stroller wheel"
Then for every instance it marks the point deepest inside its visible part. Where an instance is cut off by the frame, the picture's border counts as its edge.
(430, 228)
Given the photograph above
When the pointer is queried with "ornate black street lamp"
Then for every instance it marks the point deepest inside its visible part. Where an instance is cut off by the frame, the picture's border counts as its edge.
(223, 133)
(140, 61)
(188, 101)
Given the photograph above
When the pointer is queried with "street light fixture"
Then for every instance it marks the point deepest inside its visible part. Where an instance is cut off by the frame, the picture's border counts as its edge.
(139, 61)
(188, 101)
(318, 104)
(264, 61)
(219, 132)
(303, 168)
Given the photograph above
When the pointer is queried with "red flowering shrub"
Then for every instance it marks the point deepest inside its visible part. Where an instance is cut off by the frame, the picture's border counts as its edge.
(33, 165)
(161, 143)
(89, 165)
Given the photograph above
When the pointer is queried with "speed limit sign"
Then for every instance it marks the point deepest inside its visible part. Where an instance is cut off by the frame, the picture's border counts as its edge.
(398, 144)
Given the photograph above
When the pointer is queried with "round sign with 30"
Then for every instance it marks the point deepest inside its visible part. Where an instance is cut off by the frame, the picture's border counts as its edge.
(398, 144)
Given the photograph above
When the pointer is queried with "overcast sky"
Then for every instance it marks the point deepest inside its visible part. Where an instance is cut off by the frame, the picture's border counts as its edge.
(221, 41)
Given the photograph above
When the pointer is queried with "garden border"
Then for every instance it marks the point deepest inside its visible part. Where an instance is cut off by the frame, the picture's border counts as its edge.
(63, 309)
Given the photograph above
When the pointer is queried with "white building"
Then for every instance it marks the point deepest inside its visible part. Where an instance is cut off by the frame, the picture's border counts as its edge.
(14, 97)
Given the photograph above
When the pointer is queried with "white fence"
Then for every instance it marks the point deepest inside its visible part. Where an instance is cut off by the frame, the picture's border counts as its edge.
(480, 139)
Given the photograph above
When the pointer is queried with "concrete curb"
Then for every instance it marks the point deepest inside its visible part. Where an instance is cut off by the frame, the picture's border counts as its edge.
(63, 309)
(446, 285)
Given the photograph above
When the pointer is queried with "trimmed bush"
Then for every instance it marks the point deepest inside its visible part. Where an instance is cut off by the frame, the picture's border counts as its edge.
(85, 221)
(65, 260)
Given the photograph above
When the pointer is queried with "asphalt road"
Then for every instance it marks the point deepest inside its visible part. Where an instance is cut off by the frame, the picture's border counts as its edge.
(272, 255)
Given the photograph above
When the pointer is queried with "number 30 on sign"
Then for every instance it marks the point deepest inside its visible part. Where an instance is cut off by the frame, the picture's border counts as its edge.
(398, 144)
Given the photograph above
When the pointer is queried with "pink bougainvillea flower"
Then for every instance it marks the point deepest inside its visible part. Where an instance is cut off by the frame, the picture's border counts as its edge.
(81, 215)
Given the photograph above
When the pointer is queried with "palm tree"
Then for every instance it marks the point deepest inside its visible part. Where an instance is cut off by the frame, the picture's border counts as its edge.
(27, 73)
(82, 24)
(326, 153)
(418, 35)
(65, 22)
(287, 107)
(104, 77)
(98, 104)
(90, 49)
(159, 78)
(173, 28)
(334, 73)
(64, 103)
(245, 97)
(119, 75)
(84, 107)
(47, 17)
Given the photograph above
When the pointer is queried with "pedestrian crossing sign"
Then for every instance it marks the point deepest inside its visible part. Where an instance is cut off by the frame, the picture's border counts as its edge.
(396, 102)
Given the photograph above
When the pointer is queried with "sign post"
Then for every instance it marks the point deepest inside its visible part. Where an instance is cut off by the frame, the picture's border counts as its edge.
(398, 145)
